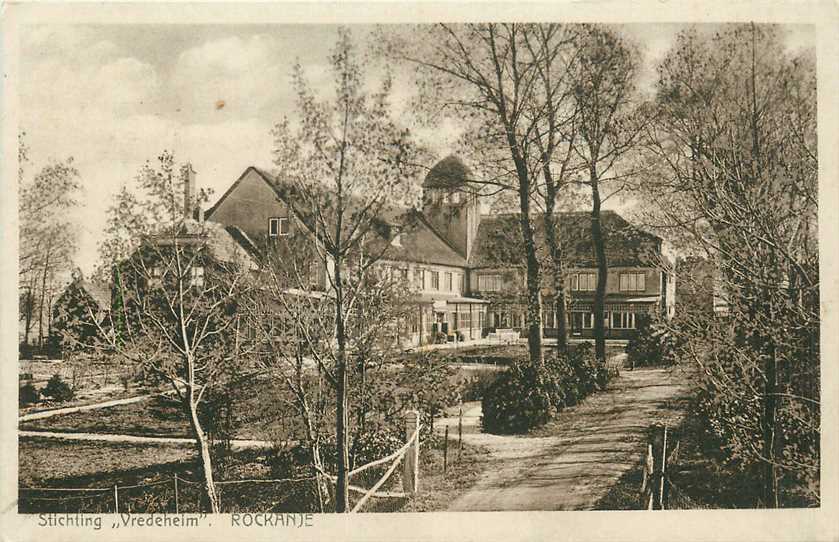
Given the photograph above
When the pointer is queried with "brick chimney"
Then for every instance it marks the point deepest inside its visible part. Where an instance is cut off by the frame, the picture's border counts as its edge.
(189, 191)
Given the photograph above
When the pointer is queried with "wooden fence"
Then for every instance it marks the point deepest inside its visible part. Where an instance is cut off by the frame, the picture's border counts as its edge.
(657, 487)
(109, 499)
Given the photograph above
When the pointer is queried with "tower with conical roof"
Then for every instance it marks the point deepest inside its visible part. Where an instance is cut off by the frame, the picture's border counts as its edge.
(450, 203)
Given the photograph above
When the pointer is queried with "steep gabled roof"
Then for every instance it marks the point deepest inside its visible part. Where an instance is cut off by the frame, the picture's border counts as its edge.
(99, 293)
(420, 243)
(418, 239)
(498, 242)
(267, 177)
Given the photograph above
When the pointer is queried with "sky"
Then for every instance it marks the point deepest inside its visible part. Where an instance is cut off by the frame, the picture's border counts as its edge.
(115, 96)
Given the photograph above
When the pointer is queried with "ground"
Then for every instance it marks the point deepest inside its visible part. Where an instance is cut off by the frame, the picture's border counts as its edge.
(574, 460)
(569, 464)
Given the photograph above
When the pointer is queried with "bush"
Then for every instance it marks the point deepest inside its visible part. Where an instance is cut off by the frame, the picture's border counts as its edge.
(28, 394)
(58, 390)
(474, 387)
(515, 402)
(652, 345)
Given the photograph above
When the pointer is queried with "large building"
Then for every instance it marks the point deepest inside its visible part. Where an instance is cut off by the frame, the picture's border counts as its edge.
(467, 269)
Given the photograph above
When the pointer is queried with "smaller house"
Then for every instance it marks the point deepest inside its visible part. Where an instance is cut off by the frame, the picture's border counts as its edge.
(81, 308)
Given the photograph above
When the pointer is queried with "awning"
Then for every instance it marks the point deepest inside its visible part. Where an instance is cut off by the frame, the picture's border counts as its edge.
(651, 299)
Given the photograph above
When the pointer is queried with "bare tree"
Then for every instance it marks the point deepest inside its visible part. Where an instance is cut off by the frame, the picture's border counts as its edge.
(346, 168)
(505, 83)
(176, 282)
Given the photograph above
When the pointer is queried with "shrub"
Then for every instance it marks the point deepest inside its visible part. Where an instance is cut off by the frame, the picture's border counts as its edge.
(652, 345)
(58, 390)
(473, 388)
(28, 394)
(515, 402)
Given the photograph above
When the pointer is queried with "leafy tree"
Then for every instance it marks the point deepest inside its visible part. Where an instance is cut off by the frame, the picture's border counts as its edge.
(47, 236)
(608, 125)
(735, 136)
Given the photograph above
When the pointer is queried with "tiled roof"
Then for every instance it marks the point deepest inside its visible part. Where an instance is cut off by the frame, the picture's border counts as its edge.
(100, 293)
(419, 242)
(498, 242)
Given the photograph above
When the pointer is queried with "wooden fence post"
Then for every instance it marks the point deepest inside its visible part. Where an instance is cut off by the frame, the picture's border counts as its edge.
(663, 468)
(116, 500)
(410, 474)
(177, 507)
(446, 451)
(648, 463)
(460, 432)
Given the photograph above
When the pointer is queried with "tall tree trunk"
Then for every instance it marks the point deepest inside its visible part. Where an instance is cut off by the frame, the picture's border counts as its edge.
(342, 495)
(534, 282)
(555, 248)
(602, 269)
(41, 303)
(203, 447)
(769, 427)
(29, 308)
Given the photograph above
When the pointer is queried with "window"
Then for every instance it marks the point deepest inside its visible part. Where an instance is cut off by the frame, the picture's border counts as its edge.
(588, 320)
(464, 320)
(277, 226)
(435, 280)
(583, 282)
(623, 320)
(419, 277)
(196, 276)
(449, 285)
(489, 283)
(633, 282)
(403, 274)
(458, 282)
(155, 274)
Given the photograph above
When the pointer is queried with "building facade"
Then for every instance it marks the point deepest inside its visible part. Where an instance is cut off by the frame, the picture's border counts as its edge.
(466, 270)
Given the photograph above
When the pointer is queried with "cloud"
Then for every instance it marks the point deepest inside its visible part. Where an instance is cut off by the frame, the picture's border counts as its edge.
(249, 73)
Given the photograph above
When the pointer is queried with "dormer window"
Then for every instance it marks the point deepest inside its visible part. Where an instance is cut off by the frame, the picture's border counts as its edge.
(277, 226)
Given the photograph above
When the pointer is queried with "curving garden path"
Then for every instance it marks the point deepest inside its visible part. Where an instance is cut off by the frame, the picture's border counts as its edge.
(586, 450)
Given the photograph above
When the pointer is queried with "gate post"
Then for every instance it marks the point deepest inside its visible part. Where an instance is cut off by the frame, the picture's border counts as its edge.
(410, 474)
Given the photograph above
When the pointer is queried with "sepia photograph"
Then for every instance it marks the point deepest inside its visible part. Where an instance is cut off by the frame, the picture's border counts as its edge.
(270, 271)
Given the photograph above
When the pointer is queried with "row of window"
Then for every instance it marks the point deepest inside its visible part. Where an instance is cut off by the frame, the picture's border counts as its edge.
(448, 197)
(428, 279)
(612, 320)
(584, 320)
(196, 276)
(579, 282)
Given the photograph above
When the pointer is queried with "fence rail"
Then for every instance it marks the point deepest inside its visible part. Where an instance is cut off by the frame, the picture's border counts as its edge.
(168, 492)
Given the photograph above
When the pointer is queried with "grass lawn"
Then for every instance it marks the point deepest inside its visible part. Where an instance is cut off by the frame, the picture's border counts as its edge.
(162, 416)
(46, 461)
(54, 463)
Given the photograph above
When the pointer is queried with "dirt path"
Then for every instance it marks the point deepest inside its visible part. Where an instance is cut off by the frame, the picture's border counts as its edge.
(81, 408)
(588, 448)
(134, 439)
